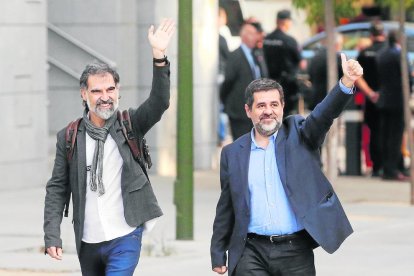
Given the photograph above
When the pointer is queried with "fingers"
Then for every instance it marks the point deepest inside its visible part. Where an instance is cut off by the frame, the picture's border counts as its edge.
(151, 30)
(55, 252)
(170, 27)
(167, 25)
(354, 68)
(59, 253)
(343, 58)
(164, 24)
(220, 270)
(351, 67)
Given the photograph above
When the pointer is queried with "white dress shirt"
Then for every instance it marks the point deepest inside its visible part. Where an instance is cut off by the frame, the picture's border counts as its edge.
(104, 215)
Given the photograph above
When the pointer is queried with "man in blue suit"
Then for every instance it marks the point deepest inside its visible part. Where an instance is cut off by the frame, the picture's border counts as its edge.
(276, 205)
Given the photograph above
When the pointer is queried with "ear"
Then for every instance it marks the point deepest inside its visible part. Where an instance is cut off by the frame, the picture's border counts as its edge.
(248, 111)
(83, 94)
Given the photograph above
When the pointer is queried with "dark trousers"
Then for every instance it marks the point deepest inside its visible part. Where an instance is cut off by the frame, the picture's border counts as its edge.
(288, 258)
(392, 128)
(117, 257)
(373, 121)
(240, 127)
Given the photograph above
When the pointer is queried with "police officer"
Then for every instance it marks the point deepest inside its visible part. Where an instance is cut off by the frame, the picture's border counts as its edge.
(369, 85)
(283, 56)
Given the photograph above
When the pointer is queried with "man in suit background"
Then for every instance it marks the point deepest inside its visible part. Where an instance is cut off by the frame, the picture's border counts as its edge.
(276, 205)
(242, 67)
(391, 107)
(112, 196)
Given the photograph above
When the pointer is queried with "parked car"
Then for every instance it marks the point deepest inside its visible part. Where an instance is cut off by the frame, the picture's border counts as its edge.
(352, 34)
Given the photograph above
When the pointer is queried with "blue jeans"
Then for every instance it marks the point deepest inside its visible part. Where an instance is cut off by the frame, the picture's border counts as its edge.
(117, 257)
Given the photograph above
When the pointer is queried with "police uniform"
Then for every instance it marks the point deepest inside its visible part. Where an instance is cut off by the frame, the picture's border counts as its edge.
(283, 56)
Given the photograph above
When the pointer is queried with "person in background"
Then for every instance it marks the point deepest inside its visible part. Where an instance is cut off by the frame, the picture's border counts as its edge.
(391, 107)
(242, 67)
(224, 53)
(283, 57)
(369, 85)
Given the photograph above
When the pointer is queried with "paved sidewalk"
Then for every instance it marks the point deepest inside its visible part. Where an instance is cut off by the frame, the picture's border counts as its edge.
(383, 242)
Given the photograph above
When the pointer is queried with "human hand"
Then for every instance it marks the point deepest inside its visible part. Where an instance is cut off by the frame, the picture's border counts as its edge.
(55, 252)
(374, 96)
(352, 71)
(161, 37)
(220, 270)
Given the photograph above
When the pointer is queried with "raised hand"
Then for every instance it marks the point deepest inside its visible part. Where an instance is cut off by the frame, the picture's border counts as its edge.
(161, 37)
(351, 69)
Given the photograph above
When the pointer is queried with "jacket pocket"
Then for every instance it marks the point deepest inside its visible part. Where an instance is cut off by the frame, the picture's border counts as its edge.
(137, 183)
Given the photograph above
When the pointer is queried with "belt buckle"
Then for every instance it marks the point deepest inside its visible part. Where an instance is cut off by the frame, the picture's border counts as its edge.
(273, 236)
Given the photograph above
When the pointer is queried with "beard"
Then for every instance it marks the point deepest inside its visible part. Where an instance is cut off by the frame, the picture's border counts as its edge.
(267, 129)
(104, 113)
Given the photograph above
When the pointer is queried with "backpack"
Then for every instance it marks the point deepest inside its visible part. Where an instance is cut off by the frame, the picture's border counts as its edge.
(138, 146)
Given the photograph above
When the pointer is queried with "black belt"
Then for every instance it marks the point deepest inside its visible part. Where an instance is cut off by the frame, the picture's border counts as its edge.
(278, 238)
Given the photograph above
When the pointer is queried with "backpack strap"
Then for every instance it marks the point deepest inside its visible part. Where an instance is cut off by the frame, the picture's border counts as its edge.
(70, 138)
(126, 125)
(137, 145)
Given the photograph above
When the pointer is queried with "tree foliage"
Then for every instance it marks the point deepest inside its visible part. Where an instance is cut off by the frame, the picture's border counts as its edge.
(316, 9)
(343, 8)
(394, 4)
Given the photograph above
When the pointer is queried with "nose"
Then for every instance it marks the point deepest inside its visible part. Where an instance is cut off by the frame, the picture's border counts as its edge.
(104, 96)
(268, 110)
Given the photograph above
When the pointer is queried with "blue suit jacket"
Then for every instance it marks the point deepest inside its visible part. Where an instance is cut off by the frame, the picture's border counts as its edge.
(309, 192)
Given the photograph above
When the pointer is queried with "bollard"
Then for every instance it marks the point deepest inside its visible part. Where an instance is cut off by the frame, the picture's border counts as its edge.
(353, 118)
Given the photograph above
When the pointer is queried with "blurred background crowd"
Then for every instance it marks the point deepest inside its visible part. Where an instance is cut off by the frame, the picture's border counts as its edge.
(367, 32)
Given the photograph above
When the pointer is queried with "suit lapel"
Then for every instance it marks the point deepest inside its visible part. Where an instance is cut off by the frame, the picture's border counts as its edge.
(244, 158)
(281, 156)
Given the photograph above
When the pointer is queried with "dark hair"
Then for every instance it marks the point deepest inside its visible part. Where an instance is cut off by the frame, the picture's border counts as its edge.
(393, 37)
(376, 28)
(283, 14)
(257, 26)
(97, 68)
(262, 85)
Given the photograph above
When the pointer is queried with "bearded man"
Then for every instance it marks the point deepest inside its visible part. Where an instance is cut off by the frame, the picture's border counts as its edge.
(276, 205)
(112, 197)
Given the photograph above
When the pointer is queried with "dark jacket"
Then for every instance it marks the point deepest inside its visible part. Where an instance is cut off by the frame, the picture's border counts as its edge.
(281, 54)
(237, 77)
(389, 73)
(140, 204)
(310, 193)
(318, 75)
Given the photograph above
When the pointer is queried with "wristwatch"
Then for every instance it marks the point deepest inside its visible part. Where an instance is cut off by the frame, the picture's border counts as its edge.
(160, 60)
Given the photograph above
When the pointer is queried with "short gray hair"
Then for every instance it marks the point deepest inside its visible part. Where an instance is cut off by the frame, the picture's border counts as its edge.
(97, 68)
(262, 85)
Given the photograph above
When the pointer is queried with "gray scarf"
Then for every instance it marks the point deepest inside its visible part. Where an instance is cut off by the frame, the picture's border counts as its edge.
(99, 134)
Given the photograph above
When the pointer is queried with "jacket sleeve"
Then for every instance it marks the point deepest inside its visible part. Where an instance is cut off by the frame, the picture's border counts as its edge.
(224, 220)
(150, 111)
(56, 191)
(318, 123)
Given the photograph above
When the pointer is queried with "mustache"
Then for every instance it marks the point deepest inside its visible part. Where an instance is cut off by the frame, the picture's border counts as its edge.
(266, 116)
(100, 101)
